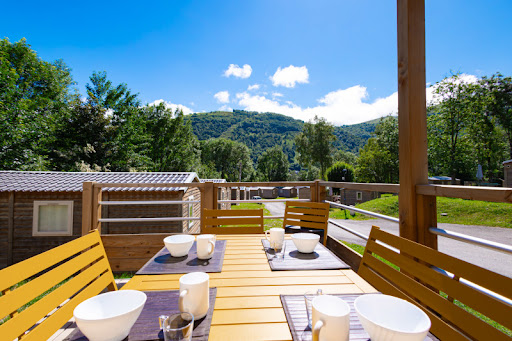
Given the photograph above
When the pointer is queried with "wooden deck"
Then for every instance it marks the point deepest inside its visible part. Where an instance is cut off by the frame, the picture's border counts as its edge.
(248, 306)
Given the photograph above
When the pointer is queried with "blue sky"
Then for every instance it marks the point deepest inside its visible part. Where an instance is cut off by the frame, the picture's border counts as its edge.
(332, 58)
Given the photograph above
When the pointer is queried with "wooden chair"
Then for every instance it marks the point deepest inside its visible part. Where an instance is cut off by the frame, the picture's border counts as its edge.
(232, 221)
(309, 217)
(75, 271)
(420, 281)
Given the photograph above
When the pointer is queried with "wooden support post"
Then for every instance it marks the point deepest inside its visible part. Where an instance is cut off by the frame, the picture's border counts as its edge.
(313, 191)
(87, 207)
(321, 191)
(96, 208)
(415, 212)
(207, 198)
(10, 230)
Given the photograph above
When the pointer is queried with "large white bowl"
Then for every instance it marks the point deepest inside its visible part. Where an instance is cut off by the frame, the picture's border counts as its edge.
(109, 316)
(305, 242)
(179, 244)
(390, 318)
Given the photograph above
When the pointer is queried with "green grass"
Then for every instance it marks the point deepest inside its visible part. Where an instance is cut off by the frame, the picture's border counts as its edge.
(269, 223)
(360, 249)
(458, 211)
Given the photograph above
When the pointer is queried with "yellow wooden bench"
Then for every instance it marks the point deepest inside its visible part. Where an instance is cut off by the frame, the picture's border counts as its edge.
(306, 217)
(81, 269)
(420, 281)
(232, 221)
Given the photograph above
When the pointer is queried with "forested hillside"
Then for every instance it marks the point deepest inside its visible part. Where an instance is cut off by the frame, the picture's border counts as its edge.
(260, 131)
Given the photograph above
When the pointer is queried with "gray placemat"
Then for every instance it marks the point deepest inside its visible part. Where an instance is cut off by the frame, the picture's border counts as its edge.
(147, 327)
(321, 259)
(164, 263)
(295, 311)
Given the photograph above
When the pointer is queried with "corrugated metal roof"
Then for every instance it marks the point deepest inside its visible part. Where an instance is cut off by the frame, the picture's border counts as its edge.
(213, 180)
(72, 181)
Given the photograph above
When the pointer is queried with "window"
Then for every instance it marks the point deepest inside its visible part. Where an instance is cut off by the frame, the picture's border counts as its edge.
(191, 211)
(52, 218)
(359, 195)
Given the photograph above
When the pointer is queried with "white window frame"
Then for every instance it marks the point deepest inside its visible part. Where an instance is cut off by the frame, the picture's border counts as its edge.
(359, 196)
(35, 221)
(191, 211)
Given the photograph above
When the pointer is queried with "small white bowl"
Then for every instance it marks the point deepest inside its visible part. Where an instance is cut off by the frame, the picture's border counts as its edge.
(109, 316)
(390, 318)
(179, 244)
(305, 242)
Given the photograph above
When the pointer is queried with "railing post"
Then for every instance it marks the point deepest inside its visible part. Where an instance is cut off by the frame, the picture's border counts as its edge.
(416, 212)
(87, 188)
(313, 191)
(96, 208)
(207, 198)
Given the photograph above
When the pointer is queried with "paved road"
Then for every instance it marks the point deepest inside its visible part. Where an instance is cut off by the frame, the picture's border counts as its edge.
(493, 260)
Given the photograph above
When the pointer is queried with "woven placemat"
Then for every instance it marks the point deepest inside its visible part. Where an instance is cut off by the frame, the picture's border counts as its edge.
(295, 311)
(147, 327)
(164, 263)
(321, 259)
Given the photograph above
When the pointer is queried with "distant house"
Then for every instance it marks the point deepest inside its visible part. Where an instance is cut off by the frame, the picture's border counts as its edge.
(268, 192)
(353, 197)
(41, 210)
(442, 180)
(251, 192)
(507, 170)
(304, 192)
(222, 193)
(287, 192)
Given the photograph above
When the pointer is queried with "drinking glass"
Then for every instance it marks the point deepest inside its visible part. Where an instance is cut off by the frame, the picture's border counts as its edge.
(279, 250)
(177, 327)
(308, 298)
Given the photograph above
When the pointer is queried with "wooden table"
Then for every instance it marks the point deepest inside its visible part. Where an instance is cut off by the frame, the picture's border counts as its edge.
(248, 306)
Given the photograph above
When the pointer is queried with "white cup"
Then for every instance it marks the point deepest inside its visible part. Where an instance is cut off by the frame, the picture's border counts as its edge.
(331, 319)
(276, 237)
(205, 246)
(195, 294)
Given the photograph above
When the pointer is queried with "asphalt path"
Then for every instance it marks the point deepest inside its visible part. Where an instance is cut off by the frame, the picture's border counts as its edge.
(493, 260)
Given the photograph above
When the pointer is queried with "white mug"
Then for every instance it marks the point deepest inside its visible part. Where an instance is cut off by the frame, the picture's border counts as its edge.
(195, 294)
(205, 244)
(331, 318)
(276, 236)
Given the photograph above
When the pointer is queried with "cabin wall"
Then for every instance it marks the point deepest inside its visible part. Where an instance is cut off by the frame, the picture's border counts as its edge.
(196, 225)
(4, 228)
(508, 174)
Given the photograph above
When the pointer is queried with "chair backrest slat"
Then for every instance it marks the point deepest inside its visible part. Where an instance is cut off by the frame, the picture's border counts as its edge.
(232, 221)
(419, 282)
(66, 275)
(312, 215)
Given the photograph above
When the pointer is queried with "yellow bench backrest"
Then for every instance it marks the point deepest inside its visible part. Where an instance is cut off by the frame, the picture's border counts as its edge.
(232, 221)
(418, 282)
(82, 262)
(313, 215)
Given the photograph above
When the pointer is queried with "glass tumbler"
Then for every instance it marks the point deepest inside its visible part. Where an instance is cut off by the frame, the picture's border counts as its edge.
(279, 250)
(177, 327)
(308, 299)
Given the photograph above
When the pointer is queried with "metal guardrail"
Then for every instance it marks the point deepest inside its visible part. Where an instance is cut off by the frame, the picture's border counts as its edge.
(365, 212)
(349, 230)
(472, 240)
(260, 201)
(140, 220)
(157, 202)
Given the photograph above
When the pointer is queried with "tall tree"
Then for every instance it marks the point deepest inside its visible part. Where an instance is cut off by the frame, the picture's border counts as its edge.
(273, 164)
(315, 144)
(229, 158)
(34, 94)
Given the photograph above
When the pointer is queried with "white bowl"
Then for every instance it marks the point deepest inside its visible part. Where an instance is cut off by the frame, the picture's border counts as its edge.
(305, 242)
(390, 318)
(179, 245)
(109, 316)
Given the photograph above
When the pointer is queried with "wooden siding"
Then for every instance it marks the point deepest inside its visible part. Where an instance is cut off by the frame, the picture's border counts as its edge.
(508, 174)
(196, 226)
(4, 227)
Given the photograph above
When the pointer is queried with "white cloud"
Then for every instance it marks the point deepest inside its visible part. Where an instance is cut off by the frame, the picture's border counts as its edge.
(237, 71)
(290, 75)
(344, 106)
(169, 105)
(462, 78)
(222, 96)
(277, 94)
(225, 108)
(253, 87)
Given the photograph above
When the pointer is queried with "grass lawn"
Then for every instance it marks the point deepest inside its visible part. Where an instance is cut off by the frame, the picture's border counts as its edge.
(269, 223)
(458, 211)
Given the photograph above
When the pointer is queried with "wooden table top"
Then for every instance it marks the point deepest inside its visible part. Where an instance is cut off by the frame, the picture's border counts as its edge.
(248, 306)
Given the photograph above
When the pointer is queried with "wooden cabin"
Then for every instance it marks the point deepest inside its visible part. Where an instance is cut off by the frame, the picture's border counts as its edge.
(287, 192)
(223, 193)
(41, 210)
(268, 192)
(507, 170)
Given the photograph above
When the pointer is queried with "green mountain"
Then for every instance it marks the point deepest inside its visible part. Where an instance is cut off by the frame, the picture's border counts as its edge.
(260, 131)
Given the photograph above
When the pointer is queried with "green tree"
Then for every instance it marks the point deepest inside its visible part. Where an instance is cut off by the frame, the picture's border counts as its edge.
(340, 172)
(34, 95)
(315, 143)
(273, 164)
(343, 156)
(378, 159)
(227, 158)
(101, 93)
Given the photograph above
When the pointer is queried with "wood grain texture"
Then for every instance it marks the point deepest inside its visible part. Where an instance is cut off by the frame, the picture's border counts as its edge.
(232, 221)
(313, 215)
